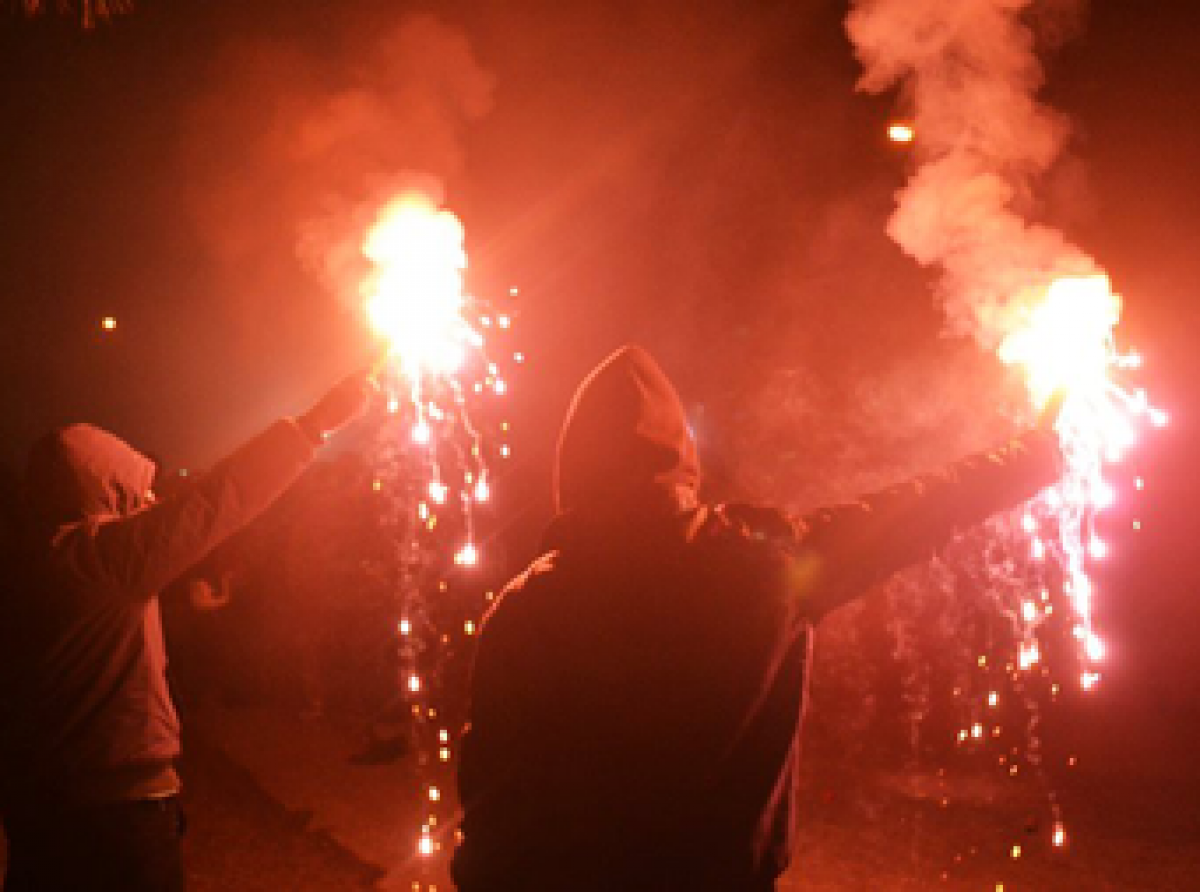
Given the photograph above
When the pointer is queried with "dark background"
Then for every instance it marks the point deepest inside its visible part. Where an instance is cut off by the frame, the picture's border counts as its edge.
(701, 178)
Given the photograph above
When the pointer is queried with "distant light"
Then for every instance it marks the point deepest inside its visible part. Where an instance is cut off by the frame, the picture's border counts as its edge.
(901, 133)
(108, 323)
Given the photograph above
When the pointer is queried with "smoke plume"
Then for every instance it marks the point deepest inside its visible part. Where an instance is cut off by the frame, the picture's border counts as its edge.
(295, 147)
(969, 73)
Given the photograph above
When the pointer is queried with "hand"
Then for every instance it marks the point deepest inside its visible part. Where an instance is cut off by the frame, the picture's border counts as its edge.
(345, 402)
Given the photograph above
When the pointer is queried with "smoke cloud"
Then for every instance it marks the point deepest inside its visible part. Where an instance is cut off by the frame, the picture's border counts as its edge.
(969, 73)
(294, 148)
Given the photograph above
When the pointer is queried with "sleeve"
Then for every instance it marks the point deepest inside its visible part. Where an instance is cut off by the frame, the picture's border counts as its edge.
(142, 553)
(841, 551)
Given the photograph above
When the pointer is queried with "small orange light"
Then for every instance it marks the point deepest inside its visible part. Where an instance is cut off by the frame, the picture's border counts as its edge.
(901, 133)
(108, 323)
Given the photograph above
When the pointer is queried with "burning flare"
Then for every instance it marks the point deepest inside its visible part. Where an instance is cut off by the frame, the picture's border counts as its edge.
(1066, 344)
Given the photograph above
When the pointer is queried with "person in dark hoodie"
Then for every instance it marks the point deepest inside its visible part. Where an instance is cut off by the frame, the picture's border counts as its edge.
(88, 732)
(637, 694)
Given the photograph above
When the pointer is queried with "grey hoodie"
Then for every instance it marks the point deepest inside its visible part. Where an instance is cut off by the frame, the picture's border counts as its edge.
(85, 713)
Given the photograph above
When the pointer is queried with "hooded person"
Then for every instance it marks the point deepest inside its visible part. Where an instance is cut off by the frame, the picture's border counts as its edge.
(637, 694)
(88, 732)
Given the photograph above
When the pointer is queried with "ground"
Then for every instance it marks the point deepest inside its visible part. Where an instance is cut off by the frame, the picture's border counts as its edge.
(274, 804)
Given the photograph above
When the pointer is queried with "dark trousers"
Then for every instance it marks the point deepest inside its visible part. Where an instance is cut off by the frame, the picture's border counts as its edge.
(122, 847)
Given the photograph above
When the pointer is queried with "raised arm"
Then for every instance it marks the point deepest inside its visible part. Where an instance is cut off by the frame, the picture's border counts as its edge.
(140, 554)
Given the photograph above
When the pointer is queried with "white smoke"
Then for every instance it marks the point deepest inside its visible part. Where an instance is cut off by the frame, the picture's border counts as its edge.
(970, 73)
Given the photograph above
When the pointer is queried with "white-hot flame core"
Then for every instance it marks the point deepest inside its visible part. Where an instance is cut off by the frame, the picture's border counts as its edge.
(415, 297)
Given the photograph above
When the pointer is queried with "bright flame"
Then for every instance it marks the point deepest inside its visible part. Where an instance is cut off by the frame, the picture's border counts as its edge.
(1067, 343)
(415, 297)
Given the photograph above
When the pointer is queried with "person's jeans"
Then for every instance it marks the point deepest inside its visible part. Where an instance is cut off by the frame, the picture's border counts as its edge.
(123, 847)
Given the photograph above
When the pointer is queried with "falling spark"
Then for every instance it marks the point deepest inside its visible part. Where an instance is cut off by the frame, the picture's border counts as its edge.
(109, 323)
(468, 556)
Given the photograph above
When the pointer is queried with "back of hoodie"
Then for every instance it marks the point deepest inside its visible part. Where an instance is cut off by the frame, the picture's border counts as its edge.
(89, 717)
(85, 713)
(637, 692)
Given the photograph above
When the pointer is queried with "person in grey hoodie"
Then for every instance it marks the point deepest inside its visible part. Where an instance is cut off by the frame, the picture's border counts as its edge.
(88, 732)
(637, 695)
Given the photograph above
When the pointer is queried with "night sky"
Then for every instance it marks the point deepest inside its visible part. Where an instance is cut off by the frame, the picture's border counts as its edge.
(700, 178)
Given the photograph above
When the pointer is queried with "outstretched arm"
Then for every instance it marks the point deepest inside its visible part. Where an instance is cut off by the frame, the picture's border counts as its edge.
(140, 554)
(840, 552)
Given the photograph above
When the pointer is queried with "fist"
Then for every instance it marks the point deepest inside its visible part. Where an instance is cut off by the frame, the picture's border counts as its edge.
(345, 402)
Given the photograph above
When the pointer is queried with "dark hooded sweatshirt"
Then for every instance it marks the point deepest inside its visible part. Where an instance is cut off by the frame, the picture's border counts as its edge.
(85, 715)
(637, 695)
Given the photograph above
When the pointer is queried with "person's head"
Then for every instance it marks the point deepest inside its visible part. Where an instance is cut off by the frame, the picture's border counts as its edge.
(82, 471)
(625, 441)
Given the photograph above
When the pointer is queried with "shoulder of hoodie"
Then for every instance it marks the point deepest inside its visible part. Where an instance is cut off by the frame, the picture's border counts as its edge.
(758, 532)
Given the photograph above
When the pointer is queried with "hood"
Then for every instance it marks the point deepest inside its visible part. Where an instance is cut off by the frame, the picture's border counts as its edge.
(625, 441)
(83, 471)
